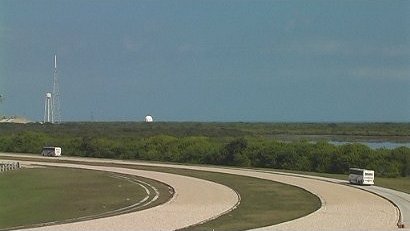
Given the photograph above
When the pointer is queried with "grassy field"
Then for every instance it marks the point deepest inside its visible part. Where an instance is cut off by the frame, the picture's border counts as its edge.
(397, 183)
(31, 196)
(395, 132)
(257, 208)
(263, 202)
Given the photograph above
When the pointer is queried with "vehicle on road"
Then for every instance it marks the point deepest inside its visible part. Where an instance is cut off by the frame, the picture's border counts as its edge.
(361, 176)
(51, 151)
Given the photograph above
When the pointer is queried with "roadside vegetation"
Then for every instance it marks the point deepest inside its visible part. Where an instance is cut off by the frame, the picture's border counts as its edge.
(230, 144)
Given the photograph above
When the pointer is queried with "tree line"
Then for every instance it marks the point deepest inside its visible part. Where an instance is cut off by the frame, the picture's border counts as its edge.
(230, 151)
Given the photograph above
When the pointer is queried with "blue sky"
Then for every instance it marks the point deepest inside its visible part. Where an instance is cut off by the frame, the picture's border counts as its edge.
(208, 60)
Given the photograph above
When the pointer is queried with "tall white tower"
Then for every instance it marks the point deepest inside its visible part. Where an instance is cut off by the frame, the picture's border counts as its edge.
(55, 99)
(48, 108)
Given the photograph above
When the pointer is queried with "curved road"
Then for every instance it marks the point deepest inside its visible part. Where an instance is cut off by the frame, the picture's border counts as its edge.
(198, 200)
(343, 207)
(401, 199)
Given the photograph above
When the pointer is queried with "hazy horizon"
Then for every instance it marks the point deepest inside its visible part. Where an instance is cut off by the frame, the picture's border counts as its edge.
(208, 60)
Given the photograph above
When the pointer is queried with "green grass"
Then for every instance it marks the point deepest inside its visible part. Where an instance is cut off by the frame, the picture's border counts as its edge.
(397, 132)
(263, 202)
(40, 195)
(399, 183)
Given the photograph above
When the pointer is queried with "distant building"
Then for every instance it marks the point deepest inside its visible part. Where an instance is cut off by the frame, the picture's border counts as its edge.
(14, 119)
(148, 119)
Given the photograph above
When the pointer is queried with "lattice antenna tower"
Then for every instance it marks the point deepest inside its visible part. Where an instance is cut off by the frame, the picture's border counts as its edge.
(56, 110)
(1, 101)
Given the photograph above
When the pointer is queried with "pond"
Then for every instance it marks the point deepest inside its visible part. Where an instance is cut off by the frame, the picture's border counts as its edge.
(375, 145)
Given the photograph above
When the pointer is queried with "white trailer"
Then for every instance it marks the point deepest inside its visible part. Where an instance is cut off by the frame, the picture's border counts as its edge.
(51, 151)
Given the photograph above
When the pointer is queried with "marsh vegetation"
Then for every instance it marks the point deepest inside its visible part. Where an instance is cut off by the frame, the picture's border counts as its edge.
(267, 145)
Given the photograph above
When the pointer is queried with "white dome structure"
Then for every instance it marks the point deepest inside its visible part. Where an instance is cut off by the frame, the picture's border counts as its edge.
(149, 119)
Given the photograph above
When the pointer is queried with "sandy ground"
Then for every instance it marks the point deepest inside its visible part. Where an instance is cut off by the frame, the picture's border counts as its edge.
(343, 207)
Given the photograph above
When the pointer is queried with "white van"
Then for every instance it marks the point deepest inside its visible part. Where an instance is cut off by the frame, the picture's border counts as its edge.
(51, 151)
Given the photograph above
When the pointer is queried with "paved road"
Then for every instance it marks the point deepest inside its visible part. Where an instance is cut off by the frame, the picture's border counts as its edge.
(343, 207)
(194, 201)
(401, 199)
(398, 198)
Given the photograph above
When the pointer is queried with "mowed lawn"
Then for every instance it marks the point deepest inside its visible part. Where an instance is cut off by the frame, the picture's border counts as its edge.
(38, 195)
(263, 202)
(396, 183)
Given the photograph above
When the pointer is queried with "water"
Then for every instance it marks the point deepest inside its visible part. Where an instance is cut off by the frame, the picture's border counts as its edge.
(375, 145)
